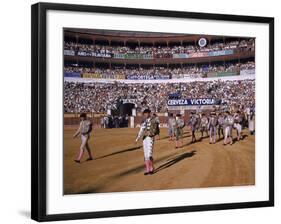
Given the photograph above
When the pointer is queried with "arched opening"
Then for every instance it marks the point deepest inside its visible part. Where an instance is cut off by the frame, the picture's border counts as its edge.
(126, 109)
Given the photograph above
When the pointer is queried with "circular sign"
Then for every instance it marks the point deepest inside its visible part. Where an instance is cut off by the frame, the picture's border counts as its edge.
(202, 42)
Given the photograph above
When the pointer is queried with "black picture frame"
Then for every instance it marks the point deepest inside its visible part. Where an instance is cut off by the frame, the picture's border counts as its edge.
(38, 108)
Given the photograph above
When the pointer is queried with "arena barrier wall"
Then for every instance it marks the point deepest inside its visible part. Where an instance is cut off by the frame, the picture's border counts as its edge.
(72, 119)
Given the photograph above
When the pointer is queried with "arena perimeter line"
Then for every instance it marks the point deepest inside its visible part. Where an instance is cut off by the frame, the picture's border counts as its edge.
(119, 163)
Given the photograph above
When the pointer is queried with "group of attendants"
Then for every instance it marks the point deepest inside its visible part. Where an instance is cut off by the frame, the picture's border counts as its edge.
(111, 121)
(216, 125)
(221, 124)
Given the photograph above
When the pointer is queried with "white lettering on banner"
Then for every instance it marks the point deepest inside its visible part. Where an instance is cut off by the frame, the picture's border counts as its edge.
(202, 101)
(129, 101)
(184, 102)
(177, 102)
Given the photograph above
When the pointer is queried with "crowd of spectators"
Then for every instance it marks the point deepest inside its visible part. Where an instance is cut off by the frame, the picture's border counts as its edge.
(161, 51)
(248, 66)
(162, 72)
(99, 97)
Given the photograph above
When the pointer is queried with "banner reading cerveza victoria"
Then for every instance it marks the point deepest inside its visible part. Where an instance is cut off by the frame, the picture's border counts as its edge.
(193, 102)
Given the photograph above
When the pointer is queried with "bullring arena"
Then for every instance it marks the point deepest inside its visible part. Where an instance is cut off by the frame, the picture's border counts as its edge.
(112, 76)
(118, 164)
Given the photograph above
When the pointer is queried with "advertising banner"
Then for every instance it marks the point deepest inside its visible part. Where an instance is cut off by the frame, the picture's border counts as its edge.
(101, 55)
(220, 53)
(93, 54)
(84, 53)
(72, 74)
(119, 56)
(120, 76)
(148, 77)
(69, 52)
(248, 72)
(211, 74)
(193, 102)
(91, 75)
(138, 56)
(180, 56)
(198, 54)
(224, 74)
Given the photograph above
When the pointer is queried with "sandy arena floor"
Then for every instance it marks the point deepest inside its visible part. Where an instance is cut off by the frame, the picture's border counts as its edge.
(118, 164)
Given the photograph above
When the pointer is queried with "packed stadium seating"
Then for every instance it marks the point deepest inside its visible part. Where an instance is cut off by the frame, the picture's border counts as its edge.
(103, 68)
(98, 97)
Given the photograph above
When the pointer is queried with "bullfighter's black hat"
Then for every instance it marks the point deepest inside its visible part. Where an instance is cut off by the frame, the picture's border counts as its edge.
(146, 111)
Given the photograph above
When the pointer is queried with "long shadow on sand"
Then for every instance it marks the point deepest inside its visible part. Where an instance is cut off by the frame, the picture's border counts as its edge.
(198, 139)
(175, 160)
(118, 152)
(140, 168)
(235, 140)
(110, 180)
(170, 162)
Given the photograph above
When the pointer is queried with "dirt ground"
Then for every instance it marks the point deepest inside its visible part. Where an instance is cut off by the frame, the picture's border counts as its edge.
(118, 165)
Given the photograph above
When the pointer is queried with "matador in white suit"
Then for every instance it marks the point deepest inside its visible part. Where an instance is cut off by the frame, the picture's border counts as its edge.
(147, 133)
